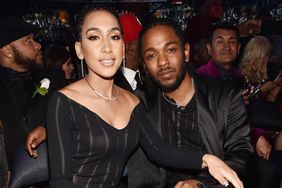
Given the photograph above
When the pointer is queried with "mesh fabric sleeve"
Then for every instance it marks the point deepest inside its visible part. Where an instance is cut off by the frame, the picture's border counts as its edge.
(161, 152)
(59, 142)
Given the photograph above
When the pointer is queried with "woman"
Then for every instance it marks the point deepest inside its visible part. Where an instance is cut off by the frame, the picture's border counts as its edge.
(58, 58)
(262, 93)
(93, 125)
(254, 67)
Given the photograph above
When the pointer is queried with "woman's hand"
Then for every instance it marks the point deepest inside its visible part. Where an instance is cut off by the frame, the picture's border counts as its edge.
(34, 138)
(267, 86)
(191, 183)
(221, 172)
(263, 148)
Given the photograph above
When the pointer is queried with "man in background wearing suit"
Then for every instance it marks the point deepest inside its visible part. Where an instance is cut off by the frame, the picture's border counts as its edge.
(22, 110)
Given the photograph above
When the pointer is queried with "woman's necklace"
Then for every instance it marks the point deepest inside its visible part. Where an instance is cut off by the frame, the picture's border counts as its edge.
(171, 102)
(100, 95)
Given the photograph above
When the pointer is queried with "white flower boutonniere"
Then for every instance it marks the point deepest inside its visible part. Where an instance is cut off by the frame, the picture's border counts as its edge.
(43, 88)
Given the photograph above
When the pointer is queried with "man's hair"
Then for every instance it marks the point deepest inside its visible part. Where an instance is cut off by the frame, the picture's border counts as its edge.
(156, 22)
(225, 26)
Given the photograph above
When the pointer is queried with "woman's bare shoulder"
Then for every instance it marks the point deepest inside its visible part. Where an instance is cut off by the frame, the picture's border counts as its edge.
(130, 97)
(73, 90)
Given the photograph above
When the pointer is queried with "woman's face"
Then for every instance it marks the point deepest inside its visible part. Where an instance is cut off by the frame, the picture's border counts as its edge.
(101, 43)
(68, 69)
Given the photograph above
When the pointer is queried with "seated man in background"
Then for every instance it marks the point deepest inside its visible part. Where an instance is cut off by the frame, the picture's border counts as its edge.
(129, 76)
(224, 47)
(23, 109)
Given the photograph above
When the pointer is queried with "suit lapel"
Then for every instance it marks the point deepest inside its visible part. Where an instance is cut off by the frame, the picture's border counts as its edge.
(121, 81)
(207, 123)
(154, 104)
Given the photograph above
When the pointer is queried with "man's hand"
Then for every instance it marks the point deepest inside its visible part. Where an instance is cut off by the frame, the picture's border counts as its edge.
(263, 148)
(191, 183)
(221, 172)
(34, 138)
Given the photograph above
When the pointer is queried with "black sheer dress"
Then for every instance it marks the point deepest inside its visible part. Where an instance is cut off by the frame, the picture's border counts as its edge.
(85, 151)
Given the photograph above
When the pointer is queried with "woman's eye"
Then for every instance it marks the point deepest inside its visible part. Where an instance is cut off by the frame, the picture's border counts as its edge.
(116, 37)
(93, 37)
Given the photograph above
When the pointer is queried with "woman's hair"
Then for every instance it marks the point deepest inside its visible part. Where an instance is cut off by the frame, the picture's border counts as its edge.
(255, 58)
(80, 17)
(55, 56)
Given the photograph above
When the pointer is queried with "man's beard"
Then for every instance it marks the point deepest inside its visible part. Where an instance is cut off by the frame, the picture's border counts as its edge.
(176, 84)
(25, 62)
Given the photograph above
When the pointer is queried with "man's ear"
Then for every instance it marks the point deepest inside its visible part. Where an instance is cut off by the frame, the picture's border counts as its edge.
(239, 47)
(6, 51)
(209, 48)
(187, 52)
(78, 50)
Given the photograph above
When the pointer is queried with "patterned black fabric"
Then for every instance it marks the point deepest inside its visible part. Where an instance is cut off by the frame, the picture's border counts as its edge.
(180, 128)
(85, 151)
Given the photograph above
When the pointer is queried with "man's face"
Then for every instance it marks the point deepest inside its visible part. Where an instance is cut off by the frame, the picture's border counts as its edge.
(27, 53)
(164, 57)
(131, 55)
(224, 47)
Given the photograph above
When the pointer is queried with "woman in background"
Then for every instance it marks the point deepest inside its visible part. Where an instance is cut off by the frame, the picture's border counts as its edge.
(58, 58)
(262, 93)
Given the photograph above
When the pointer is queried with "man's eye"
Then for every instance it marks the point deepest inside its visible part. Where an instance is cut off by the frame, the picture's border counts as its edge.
(93, 37)
(28, 41)
(116, 37)
(171, 50)
(150, 56)
(233, 42)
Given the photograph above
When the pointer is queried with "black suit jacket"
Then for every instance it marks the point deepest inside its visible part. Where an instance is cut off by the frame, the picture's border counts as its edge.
(222, 120)
(17, 123)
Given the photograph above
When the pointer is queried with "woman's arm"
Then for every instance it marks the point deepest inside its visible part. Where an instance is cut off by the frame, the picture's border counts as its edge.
(165, 154)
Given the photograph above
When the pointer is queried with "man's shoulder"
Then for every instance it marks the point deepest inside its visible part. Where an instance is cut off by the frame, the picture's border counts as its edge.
(212, 85)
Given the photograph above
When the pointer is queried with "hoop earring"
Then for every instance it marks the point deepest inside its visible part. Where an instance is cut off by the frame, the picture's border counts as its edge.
(82, 68)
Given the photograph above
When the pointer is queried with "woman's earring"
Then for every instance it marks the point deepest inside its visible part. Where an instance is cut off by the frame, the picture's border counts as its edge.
(82, 68)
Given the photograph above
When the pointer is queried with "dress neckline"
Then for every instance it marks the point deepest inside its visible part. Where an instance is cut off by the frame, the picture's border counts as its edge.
(90, 111)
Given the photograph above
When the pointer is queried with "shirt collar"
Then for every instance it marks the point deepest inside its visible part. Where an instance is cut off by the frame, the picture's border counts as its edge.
(129, 74)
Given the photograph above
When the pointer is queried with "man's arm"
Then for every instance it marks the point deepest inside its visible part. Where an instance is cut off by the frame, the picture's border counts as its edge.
(34, 138)
(237, 146)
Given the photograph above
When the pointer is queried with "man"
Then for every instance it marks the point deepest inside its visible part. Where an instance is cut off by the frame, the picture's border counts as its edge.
(22, 114)
(189, 111)
(224, 47)
(129, 76)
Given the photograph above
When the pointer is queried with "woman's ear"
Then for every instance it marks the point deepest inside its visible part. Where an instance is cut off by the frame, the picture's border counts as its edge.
(187, 52)
(78, 50)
